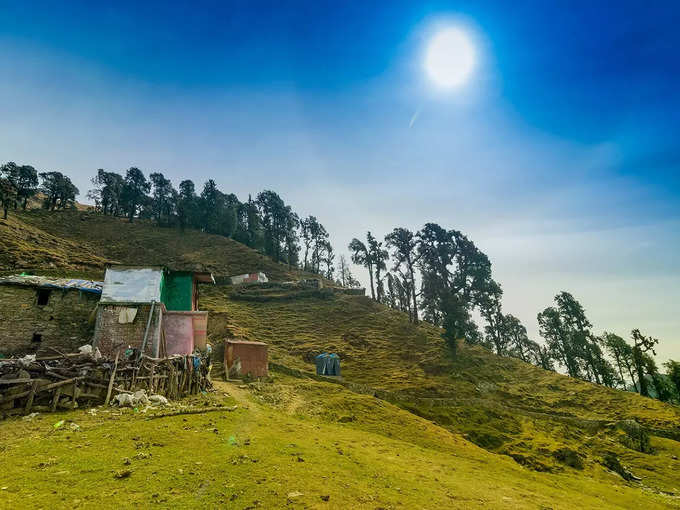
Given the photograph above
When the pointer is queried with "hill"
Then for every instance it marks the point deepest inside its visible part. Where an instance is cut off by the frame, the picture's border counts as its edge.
(84, 240)
(543, 420)
(409, 427)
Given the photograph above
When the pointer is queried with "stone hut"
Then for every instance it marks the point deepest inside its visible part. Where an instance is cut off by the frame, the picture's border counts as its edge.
(37, 313)
(151, 309)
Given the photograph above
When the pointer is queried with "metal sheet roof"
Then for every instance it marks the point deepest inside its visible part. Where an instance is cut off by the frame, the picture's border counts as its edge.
(53, 283)
(132, 285)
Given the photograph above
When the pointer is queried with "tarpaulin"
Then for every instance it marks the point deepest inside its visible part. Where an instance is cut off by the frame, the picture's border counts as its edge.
(127, 285)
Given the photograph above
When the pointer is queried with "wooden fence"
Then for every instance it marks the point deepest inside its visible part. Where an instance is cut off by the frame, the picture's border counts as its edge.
(78, 380)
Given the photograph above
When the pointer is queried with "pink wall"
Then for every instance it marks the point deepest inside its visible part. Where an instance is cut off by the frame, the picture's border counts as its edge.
(179, 332)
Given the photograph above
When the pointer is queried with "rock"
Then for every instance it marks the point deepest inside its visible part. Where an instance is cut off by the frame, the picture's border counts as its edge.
(123, 473)
(158, 400)
(325, 498)
(569, 457)
(636, 438)
(612, 462)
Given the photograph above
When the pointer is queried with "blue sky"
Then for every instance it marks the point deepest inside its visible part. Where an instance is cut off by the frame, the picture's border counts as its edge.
(559, 157)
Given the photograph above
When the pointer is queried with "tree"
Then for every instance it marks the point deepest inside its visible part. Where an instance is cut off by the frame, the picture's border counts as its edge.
(275, 220)
(186, 206)
(24, 180)
(378, 257)
(496, 329)
(661, 385)
(8, 195)
(255, 234)
(60, 192)
(361, 256)
(134, 192)
(107, 192)
(517, 337)
(567, 333)
(163, 198)
(345, 277)
(327, 257)
(209, 207)
(673, 373)
(641, 345)
(291, 222)
(540, 355)
(622, 353)
(404, 244)
(456, 279)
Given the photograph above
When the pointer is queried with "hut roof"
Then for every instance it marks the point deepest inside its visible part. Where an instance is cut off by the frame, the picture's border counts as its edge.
(53, 283)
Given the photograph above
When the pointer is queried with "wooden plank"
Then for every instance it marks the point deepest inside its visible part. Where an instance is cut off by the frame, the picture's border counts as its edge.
(55, 400)
(16, 381)
(113, 376)
(75, 395)
(31, 396)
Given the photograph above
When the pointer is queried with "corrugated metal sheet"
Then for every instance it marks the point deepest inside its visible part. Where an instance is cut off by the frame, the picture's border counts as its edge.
(132, 285)
(53, 283)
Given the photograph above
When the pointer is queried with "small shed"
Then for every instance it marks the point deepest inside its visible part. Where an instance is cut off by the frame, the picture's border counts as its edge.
(152, 309)
(246, 358)
(249, 278)
(328, 364)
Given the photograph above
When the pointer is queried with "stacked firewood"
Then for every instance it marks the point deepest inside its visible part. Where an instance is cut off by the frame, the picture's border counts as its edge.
(69, 381)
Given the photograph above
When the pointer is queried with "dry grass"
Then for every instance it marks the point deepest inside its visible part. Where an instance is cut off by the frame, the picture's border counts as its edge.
(504, 405)
(104, 238)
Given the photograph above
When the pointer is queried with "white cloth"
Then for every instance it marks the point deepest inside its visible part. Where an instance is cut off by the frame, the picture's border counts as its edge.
(127, 315)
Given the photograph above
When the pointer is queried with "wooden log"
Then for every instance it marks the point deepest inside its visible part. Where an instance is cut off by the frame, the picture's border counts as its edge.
(31, 396)
(113, 376)
(55, 400)
(16, 396)
(193, 411)
(16, 381)
(75, 395)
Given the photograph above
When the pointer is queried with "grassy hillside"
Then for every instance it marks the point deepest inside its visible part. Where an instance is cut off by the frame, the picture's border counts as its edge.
(472, 431)
(84, 239)
(289, 444)
(27, 246)
(544, 421)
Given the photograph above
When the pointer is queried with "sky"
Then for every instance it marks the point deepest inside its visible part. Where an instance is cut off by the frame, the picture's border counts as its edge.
(558, 156)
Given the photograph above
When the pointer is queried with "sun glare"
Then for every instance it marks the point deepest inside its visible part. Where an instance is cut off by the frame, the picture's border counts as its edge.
(450, 58)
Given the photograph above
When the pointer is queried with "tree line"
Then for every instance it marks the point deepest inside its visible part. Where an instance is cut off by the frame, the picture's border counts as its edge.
(266, 224)
(20, 183)
(439, 275)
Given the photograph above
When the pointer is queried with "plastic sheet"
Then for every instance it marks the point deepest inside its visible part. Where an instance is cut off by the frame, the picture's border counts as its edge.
(141, 285)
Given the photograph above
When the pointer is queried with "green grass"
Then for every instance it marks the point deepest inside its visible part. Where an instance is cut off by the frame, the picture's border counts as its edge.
(542, 420)
(286, 446)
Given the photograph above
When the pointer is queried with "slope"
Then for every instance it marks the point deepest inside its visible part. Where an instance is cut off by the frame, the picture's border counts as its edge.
(114, 239)
(554, 431)
(26, 246)
(543, 420)
(286, 445)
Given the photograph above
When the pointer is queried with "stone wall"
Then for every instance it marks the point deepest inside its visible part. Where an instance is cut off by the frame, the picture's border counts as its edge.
(62, 323)
(110, 335)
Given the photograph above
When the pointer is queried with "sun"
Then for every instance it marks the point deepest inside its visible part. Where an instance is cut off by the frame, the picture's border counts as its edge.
(450, 58)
